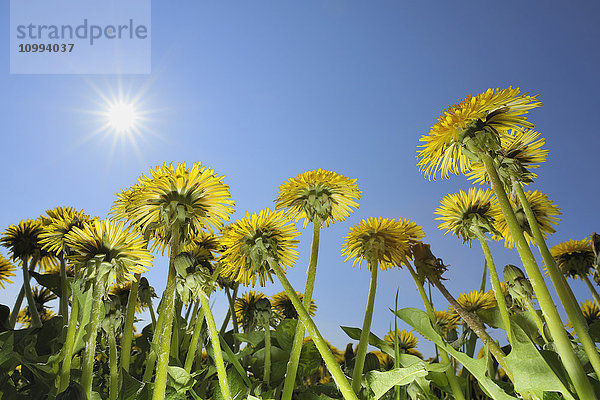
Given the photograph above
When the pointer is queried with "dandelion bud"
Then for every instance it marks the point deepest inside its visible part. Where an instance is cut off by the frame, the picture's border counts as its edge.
(518, 285)
(427, 265)
(262, 313)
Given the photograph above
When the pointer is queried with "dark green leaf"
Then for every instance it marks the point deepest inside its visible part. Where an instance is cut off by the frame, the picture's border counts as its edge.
(380, 382)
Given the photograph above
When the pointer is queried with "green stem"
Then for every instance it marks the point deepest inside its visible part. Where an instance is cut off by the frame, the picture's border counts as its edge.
(225, 322)
(267, 374)
(292, 366)
(64, 292)
(152, 314)
(330, 361)
(396, 344)
(65, 369)
(193, 347)
(587, 281)
(216, 345)
(496, 285)
(450, 373)
(361, 353)
(113, 388)
(483, 278)
(166, 329)
(231, 300)
(87, 374)
(151, 361)
(16, 308)
(563, 344)
(36, 321)
(536, 317)
(128, 328)
(176, 329)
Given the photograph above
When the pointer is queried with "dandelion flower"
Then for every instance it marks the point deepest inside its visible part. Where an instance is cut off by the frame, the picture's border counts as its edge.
(58, 224)
(574, 258)
(323, 196)
(407, 342)
(285, 309)
(446, 321)
(121, 293)
(499, 110)
(253, 241)
(466, 214)
(381, 241)
(7, 269)
(24, 241)
(245, 309)
(591, 311)
(476, 301)
(41, 297)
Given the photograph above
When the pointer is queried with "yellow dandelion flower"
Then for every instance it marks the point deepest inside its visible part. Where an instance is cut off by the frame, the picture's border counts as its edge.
(499, 109)
(521, 152)
(59, 222)
(545, 211)
(339, 355)
(25, 319)
(385, 360)
(197, 198)
(381, 241)
(282, 305)
(477, 301)
(464, 214)
(205, 246)
(591, 311)
(253, 241)
(323, 196)
(446, 321)
(574, 258)
(115, 244)
(7, 269)
(245, 309)
(24, 242)
(41, 297)
(121, 293)
(407, 342)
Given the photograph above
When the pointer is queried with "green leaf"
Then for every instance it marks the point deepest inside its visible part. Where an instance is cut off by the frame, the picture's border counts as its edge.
(50, 281)
(420, 321)
(229, 356)
(310, 359)
(178, 377)
(236, 386)
(378, 383)
(254, 338)
(374, 340)
(285, 332)
(131, 386)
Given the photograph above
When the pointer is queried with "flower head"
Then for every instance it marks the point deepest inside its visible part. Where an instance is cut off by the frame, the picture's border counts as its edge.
(477, 301)
(467, 214)
(494, 111)
(57, 225)
(381, 241)
(407, 342)
(41, 296)
(120, 292)
(574, 257)
(196, 199)
(282, 305)
(521, 151)
(545, 211)
(246, 310)
(318, 196)
(590, 311)
(24, 241)
(112, 243)
(254, 241)
(446, 321)
(7, 269)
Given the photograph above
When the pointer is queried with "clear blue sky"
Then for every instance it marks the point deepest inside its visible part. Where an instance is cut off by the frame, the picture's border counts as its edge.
(265, 90)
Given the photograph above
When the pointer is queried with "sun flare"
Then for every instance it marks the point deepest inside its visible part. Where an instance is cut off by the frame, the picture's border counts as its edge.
(122, 117)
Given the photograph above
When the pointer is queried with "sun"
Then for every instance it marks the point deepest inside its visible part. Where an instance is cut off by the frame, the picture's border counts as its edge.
(122, 117)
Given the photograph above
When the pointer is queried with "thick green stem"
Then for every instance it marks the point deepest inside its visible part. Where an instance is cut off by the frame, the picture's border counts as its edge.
(193, 347)
(587, 281)
(330, 361)
(151, 361)
(87, 374)
(14, 314)
(361, 352)
(64, 292)
(128, 328)
(450, 373)
(36, 321)
(216, 345)
(267, 373)
(113, 388)
(292, 366)
(496, 285)
(563, 344)
(65, 368)
(166, 329)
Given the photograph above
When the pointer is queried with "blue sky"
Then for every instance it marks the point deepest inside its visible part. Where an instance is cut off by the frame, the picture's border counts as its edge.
(264, 91)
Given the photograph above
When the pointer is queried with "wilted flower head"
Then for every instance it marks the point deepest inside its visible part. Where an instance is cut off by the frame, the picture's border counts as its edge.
(381, 242)
(251, 243)
(482, 119)
(427, 265)
(318, 196)
(111, 243)
(545, 211)
(283, 307)
(466, 214)
(574, 258)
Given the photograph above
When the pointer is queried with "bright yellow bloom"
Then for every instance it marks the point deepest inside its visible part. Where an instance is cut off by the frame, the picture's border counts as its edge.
(245, 309)
(114, 244)
(283, 306)
(500, 109)
(24, 241)
(381, 241)
(574, 257)
(385, 360)
(204, 247)
(253, 241)
(477, 301)
(407, 342)
(518, 147)
(446, 321)
(196, 198)
(464, 214)
(324, 196)
(7, 269)
(59, 222)
(591, 311)
(545, 211)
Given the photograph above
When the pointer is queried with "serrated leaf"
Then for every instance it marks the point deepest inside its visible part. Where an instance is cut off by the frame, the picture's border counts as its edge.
(379, 383)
